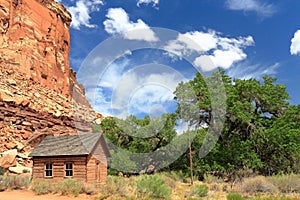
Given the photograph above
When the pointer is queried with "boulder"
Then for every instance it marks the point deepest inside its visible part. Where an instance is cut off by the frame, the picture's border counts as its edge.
(8, 159)
(10, 145)
(20, 169)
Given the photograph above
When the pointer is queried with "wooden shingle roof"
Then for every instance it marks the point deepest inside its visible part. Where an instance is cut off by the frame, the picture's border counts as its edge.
(70, 145)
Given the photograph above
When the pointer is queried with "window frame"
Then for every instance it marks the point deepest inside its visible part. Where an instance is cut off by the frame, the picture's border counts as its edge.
(48, 169)
(69, 169)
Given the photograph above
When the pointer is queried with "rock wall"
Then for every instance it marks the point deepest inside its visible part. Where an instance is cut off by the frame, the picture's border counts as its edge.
(37, 85)
(35, 39)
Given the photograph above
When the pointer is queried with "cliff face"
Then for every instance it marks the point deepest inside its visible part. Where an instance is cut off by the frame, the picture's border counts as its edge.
(35, 39)
(37, 85)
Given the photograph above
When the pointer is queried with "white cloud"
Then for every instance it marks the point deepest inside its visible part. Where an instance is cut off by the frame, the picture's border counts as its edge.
(295, 43)
(154, 2)
(248, 71)
(118, 22)
(81, 12)
(262, 9)
(212, 50)
(123, 90)
(138, 93)
(186, 43)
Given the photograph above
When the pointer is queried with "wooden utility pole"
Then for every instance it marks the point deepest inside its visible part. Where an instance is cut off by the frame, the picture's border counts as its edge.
(191, 156)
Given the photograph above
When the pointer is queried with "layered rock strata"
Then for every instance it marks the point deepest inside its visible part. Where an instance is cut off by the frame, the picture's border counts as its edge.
(39, 93)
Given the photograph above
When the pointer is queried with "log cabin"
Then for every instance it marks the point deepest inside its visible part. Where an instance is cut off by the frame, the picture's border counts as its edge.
(81, 157)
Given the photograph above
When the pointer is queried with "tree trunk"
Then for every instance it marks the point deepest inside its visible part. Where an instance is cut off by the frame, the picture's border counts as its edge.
(191, 156)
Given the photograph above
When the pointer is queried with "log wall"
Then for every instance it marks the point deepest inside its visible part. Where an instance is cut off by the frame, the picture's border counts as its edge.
(97, 164)
(58, 167)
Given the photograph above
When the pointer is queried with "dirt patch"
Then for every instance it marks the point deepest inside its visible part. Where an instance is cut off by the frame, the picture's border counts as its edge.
(26, 194)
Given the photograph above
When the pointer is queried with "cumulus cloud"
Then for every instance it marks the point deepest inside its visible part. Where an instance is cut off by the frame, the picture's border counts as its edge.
(261, 8)
(123, 90)
(295, 43)
(118, 22)
(81, 12)
(137, 93)
(212, 49)
(154, 2)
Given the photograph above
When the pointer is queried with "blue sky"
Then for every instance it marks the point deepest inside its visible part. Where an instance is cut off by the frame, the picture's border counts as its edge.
(248, 39)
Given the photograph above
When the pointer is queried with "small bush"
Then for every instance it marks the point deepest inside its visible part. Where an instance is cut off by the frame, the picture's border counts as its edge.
(171, 183)
(208, 178)
(177, 176)
(90, 190)
(234, 196)
(258, 184)
(200, 190)
(152, 186)
(41, 186)
(25, 171)
(69, 187)
(2, 171)
(286, 183)
(116, 186)
(14, 182)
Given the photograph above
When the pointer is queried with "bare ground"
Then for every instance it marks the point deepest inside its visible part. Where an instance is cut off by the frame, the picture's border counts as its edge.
(27, 194)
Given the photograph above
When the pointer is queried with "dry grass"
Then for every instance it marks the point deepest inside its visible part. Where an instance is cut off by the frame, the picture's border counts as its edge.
(284, 187)
(258, 184)
(286, 183)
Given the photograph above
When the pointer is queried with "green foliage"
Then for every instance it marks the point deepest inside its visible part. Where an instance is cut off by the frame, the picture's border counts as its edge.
(2, 171)
(153, 187)
(197, 191)
(117, 186)
(134, 135)
(96, 128)
(200, 190)
(177, 175)
(41, 186)
(208, 178)
(14, 182)
(234, 196)
(261, 129)
(69, 187)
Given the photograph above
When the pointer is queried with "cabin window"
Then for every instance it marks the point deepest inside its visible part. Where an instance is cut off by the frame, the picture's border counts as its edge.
(69, 169)
(48, 170)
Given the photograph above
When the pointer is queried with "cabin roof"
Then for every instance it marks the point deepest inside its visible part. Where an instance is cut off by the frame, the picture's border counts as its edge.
(69, 145)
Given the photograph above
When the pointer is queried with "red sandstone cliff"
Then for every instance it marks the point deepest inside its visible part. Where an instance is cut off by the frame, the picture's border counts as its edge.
(37, 85)
(35, 39)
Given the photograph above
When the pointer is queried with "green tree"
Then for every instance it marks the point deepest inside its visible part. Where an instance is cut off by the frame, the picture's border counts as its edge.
(138, 136)
(257, 113)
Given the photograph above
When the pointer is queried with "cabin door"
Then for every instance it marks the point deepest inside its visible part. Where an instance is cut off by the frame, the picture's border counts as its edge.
(97, 171)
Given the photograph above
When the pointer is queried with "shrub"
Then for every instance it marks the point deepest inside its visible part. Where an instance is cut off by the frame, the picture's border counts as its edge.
(177, 176)
(90, 189)
(208, 178)
(257, 184)
(2, 171)
(152, 186)
(286, 183)
(116, 186)
(234, 196)
(69, 187)
(25, 171)
(41, 186)
(14, 182)
(200, 190)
